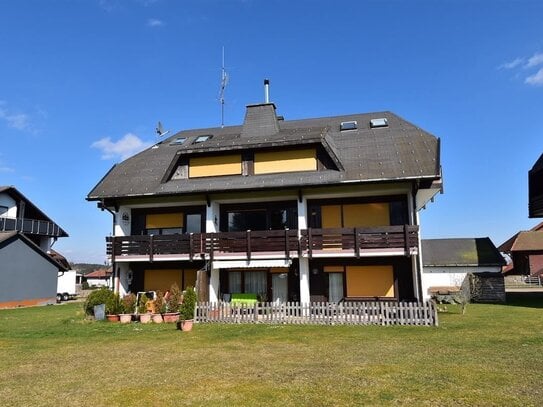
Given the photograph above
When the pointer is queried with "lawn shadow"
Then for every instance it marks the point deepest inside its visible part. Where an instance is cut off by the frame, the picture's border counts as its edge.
(528, 299)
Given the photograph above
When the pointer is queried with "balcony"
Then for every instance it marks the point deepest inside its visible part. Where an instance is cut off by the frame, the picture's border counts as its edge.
(31, 226)
(270, 244)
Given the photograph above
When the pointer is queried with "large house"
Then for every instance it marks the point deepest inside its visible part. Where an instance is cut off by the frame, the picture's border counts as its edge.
(321, 209)
(28, 266)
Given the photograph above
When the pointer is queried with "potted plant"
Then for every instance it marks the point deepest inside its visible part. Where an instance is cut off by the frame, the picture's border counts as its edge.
(145, 316)
(113, 308)
(160, 308)
(187, 309)
(172, 304)
(128, 306)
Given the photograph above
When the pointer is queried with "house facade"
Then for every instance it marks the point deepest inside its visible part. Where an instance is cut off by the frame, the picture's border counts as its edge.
(322, 209)
(28, 266)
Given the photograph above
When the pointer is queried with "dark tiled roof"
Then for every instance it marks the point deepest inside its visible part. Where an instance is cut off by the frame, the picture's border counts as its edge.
(461, 252)
(397, 152)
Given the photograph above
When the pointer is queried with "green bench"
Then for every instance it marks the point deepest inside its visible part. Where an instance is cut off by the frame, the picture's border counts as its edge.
(243, 299)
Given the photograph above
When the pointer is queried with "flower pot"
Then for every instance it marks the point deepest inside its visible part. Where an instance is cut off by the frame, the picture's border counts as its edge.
(157, 318)
(171, 317)
(186, 325)
(112, 318)
(125, 318)
(145, 318)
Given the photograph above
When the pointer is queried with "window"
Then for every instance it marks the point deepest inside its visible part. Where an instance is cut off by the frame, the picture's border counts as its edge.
(264, 216)
(381, 122)
(178, 141)
(249, 282)
(350, 125)
(201, 139)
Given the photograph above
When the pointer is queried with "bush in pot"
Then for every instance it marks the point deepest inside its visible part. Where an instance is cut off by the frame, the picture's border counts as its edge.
(187, 309)
(145, 317)
(114, 307)
(172, 304)
(128, 308)
(160, 307)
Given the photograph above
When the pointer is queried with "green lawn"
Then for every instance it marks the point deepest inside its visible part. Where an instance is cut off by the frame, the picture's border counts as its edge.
(493, 355)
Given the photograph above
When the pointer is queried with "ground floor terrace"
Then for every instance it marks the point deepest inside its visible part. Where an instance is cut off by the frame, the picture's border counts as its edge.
(331, 280)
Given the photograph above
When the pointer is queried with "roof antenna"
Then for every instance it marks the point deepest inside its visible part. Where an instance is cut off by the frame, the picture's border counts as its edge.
(266, 90)
(224, 82)
(160, 130)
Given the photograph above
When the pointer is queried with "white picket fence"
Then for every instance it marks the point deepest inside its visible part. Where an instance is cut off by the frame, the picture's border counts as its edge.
(347, 313)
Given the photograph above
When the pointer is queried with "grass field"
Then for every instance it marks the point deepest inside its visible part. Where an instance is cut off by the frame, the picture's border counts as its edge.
(493, 355)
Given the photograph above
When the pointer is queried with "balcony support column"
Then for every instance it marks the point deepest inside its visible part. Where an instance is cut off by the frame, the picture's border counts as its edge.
(416, 260)
(304, 280)
(214, 286)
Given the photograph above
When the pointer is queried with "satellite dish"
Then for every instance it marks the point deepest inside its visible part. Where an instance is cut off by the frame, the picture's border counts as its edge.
(160, 130)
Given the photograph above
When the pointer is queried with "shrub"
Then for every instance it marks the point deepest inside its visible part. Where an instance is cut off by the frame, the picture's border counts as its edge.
(129, 303)
(172, 304)
(189, 304)
(142, 304)
(160, 304)
(101, 296)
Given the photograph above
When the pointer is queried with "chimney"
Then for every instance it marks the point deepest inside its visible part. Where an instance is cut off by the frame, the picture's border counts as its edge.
(260, 120)
(266, 91)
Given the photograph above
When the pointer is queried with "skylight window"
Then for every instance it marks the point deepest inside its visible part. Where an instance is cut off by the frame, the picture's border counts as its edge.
(381, 122)
(178, 141)
(201, 139)
(350, 125)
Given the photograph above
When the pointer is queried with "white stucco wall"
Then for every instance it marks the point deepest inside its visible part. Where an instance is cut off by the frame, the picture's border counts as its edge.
(9, 202)
(449, 276)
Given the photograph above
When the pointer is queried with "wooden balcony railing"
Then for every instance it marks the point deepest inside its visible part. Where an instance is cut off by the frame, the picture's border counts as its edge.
(30, 226)
(359, 239)
(283, 243)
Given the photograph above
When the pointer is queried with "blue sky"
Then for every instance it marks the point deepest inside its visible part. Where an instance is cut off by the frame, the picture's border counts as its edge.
(83, 84)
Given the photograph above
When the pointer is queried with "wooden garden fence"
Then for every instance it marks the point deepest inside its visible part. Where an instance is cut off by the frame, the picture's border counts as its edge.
(347, 313)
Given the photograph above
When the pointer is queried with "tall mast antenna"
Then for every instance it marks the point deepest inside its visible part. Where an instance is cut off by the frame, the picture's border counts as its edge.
(224, 82)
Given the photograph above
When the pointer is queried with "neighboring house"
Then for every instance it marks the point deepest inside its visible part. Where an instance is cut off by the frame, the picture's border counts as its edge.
(321, 209)
(447, 262)
(28, 274)
(99, 278)
(535, 186)
(526, 252)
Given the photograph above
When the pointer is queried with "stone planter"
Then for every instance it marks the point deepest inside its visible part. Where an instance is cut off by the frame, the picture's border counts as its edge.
(125, 318)
(157, 318)
(171, 317)
(112, 318)
(145, 318)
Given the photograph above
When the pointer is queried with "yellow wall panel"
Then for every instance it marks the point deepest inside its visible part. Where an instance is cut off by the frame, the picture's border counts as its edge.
(331, 216)
(370, 281)
(164, 220)
(285, 161)
(215, 166)
(161, 280)
(370, 214)
(190, 278)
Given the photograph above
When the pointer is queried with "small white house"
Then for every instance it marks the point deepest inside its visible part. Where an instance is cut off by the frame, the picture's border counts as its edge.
(447, 262)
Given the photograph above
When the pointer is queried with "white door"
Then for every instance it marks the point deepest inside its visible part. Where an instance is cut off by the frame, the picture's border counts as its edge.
(279, 287)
